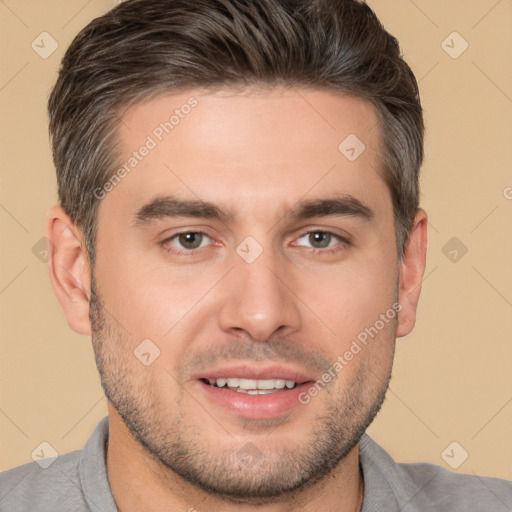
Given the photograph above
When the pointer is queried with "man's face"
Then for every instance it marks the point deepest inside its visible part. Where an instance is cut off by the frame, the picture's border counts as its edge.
(245, 297)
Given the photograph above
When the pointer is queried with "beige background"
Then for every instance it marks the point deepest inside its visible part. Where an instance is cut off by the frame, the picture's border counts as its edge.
(452, 378)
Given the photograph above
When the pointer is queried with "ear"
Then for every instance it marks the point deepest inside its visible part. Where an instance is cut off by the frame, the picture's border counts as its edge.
(69, 269)
(412, 268)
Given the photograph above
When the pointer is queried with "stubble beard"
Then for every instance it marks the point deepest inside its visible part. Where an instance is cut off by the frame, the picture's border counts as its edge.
(266, 474)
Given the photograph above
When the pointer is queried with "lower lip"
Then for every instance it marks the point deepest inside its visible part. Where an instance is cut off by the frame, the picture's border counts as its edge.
(244, 405)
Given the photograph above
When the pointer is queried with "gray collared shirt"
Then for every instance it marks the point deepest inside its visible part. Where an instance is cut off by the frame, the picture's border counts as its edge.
(77, 482)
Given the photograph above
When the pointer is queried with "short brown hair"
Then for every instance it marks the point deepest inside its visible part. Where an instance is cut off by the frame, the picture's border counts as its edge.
(145, 47)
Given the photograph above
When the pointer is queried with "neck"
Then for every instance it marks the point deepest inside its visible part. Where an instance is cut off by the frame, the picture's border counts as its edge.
(139, 482)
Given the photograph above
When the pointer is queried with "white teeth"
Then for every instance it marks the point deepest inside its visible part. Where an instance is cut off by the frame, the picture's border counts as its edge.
(249, 385)
(266, 384)
(279, 383)
(257, 391)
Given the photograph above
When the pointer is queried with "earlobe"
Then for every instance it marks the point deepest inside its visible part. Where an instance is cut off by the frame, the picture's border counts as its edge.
(68, 266)
(412, 268)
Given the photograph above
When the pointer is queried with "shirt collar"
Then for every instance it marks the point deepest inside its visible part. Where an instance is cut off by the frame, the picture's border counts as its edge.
(386, 485)
(93, 471)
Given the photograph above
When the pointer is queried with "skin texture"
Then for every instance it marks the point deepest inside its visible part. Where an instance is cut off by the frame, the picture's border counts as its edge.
(256, 152)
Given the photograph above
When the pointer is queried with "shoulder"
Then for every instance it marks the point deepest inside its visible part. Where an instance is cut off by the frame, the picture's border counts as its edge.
(32, 486)
(73, 482)
(447, 490)
(415, 487)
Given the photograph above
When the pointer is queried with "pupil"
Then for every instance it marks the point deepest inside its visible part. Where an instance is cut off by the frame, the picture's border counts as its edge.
(187, 239)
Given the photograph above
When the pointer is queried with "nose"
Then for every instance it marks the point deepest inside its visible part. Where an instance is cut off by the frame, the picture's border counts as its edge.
(258, 299)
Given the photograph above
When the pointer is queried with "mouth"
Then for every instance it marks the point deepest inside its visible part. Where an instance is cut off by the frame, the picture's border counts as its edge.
(254, 393)
(252, 386)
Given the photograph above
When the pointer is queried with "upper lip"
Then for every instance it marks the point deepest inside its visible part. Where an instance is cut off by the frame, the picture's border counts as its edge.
(251, 371)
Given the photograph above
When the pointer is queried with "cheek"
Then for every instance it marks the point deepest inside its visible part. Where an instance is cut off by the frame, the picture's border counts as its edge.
(149, 297)
(352, 296)
(154, 299)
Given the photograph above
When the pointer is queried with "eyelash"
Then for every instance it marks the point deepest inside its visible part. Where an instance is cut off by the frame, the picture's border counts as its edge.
(314, 251)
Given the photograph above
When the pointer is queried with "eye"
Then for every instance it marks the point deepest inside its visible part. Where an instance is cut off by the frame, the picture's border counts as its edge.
(321, 241)
(188, 241)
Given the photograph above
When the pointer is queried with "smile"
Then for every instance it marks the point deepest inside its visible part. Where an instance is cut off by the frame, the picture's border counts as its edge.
(252, 386)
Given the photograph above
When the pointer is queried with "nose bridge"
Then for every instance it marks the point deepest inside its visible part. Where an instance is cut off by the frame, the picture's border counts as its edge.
(258, 299)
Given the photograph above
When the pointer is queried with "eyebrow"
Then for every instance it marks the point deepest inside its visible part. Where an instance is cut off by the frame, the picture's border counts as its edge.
(168, 206)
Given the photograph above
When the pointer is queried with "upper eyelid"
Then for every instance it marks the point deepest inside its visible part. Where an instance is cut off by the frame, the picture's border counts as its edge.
(342, 238)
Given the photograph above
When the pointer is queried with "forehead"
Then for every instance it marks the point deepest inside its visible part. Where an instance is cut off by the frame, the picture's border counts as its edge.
(257, 148)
